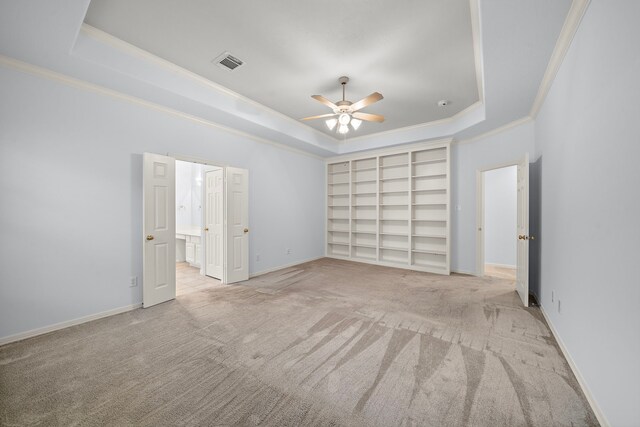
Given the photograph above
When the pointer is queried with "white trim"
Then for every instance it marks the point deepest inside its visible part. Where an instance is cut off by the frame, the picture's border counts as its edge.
(446, 120)
(476, 31)
(62, 325)
(503, 128)
(390, 150)
(91, 87)
(139, 53)
(493, 264)
(569, 28)
(293, 264)
(576, 372)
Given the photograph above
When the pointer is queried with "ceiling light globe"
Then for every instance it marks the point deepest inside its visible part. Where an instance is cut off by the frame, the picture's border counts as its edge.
(331, 123)
(356, 123)
(343, 129)
(344, 119)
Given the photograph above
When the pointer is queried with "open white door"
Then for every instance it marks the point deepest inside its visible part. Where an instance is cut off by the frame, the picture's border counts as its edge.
(522, 273)
(237, 241)
(214, 223)
(159, 228)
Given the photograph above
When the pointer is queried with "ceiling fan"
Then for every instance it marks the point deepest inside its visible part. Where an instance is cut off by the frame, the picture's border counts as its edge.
(348, 112)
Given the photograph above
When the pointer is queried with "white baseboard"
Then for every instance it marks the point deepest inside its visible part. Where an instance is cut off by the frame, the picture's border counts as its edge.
(270, 270)
(512, 267)
(594, 406)
(57, 326)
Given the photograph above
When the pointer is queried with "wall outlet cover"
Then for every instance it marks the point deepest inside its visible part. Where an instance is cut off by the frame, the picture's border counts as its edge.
(133, 281)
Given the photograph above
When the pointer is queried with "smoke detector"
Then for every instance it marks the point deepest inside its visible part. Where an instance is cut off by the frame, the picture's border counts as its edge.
(227, 61)
(443, 103)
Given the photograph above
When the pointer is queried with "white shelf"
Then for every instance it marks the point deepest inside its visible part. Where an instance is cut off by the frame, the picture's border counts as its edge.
(389, 248)
(395, 179)
(386, 193)
(359, 245)
(426, 162)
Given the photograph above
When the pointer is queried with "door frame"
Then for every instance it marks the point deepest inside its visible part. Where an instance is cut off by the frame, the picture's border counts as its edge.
(480, 211)
(223, 166)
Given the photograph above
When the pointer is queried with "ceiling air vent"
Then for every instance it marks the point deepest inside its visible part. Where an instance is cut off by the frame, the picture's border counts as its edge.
(227, 61)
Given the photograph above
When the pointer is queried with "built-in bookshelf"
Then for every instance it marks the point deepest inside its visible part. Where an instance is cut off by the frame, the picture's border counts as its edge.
(391, 208)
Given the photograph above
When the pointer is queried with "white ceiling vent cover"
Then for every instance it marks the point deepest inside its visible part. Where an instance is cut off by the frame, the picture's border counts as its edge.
(227, 61)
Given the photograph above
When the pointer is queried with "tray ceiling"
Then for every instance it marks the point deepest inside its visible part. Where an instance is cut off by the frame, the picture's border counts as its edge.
(415, 55)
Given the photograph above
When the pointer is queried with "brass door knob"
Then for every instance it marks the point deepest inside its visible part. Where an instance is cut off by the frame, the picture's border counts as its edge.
(521, 237)
(206, 229)
(246, 230)
(150, 237)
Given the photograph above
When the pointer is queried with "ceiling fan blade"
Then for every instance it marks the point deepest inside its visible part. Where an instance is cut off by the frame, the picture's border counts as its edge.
(374, 97)
(325, 101)
(368, 117)
(319, 117)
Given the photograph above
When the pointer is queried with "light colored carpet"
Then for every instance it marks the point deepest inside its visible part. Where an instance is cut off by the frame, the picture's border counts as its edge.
(325, 343)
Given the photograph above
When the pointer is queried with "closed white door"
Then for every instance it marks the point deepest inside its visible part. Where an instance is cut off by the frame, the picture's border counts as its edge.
(214, 223)
(237, 206)
(522, 273)
(159, 213)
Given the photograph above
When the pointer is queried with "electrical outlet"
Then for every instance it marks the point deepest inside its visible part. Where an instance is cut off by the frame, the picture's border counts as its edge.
(133, 281)
(552, 296)
(288, 251)
(559, 307)
(257, 257)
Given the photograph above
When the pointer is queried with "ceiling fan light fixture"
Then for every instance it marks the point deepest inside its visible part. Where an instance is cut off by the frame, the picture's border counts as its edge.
(355, 123)
(344, 119)
(331, 123)
(343, 129)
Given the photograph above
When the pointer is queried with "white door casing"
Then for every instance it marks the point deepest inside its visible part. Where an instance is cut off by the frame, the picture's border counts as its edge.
(159, 229)
(237, 241)
(214, 223)
(522, 272)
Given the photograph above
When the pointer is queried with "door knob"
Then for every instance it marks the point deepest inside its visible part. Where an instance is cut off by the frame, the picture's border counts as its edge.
(521, 237)
(206, 229)
(532, 237)
(246, 230)
(149, 237)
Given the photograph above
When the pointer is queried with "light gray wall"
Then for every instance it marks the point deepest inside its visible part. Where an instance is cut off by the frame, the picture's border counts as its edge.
(71, 198)
(500, 225)
(466, 159)
(588, 141)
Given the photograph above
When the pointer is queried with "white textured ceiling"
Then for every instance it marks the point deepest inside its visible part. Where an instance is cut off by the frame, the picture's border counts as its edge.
(415, 52)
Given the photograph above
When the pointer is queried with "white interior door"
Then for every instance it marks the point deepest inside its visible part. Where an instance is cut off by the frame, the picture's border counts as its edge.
(522, 273)
(214, 223)
(237, 205)
(159, 213)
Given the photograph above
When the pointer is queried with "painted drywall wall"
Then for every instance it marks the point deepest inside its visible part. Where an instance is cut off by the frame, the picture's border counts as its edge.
(588, 142)
(71, 197)
(500, 225)
(466, 159)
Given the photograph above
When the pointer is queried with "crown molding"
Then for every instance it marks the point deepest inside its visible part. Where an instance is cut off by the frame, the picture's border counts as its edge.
(46, 73)
(136, 52)
(569, 28)
(503, 128)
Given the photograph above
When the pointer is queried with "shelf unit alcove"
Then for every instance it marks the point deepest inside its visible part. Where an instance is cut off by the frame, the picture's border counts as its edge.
(391, 207)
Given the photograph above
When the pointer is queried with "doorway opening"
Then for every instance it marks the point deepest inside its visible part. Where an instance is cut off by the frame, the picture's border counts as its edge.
(502, 195)
(199, 226)
(195, 226)
(500, 222)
